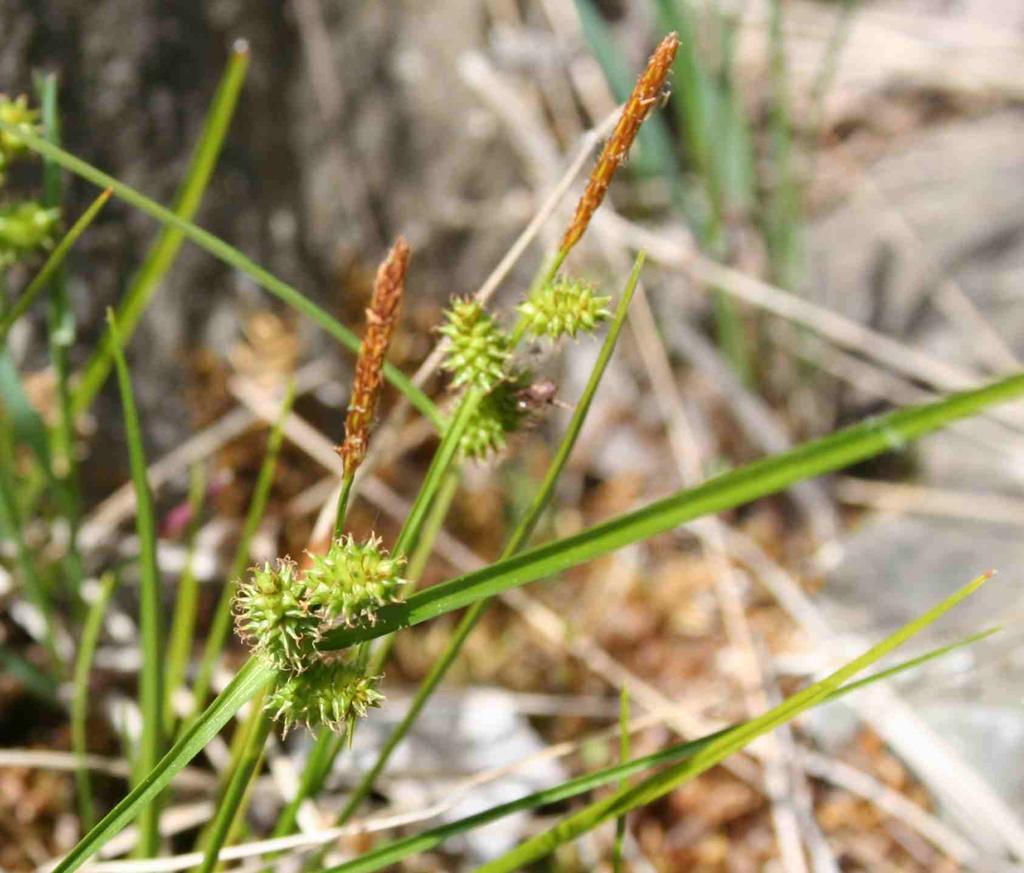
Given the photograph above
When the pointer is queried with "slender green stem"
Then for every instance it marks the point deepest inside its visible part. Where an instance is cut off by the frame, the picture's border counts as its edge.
(61, 337)
(231, 804)
(343, 497)
(80, 697)
(51, 268)
(519, 536)
(439, 465)
(620, 823)
(220, 626)
(179, 644)
(150, 632)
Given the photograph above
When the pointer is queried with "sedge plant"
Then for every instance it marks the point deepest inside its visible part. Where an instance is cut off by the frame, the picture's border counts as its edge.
(318, 629)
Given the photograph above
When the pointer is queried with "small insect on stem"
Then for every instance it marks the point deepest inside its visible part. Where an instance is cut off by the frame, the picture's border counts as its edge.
(537, 396)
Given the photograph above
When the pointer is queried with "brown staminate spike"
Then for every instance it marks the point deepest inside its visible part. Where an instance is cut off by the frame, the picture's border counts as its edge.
(381, 317)
(645, 96)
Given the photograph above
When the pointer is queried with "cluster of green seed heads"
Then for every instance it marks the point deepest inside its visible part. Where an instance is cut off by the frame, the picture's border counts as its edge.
(353, 580)
(497, 415)
(15, 112)
(480, 354)
(282, 614)
(478, 350)
(25, 226)
(331, 693)
(564, 307)
(274, 618)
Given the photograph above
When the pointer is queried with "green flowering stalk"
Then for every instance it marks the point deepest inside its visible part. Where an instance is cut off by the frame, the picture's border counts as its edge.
(499, 414)
(563, 307)
(331, 694)
(479, 348)
(273, 616)
(24, 228)
(353, 580)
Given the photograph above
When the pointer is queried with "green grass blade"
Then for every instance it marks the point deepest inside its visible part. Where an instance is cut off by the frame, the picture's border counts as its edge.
(220, 626)
(231, 803)
(51, 267)
(624, 753)
(919, 660)
(80, 697)
(781, 220)
(46, 90)
(519, 536)
(230, 256)
(61, 337)
(168, 242)
(690, 84)
(254, 676)
(706, 112)
(150, 632)
(717, 750)
(728, 491)
(180, 639)
(397, 850)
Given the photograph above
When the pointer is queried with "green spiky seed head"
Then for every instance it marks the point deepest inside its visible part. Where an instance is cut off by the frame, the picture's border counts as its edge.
(354, 580)
(497, 415)
(564, 307)
(24, 228)
(16, 112)
(274, 617)
(332, 694)
(479, 348)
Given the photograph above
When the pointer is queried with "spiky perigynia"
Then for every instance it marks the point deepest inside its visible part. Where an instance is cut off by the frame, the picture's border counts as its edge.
(16, 112)
(564, 307)
(497, 415)
(25, 228)
(479, 348)
(381, 317)
(352, 581)
(274, 617)
(646, 94)
(331, 694)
